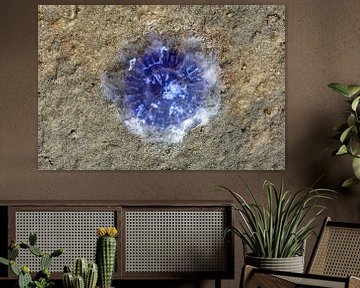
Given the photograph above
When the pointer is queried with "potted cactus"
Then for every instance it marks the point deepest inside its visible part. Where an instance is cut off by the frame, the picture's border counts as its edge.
(42, 278)
(106, 254)
(84, 275)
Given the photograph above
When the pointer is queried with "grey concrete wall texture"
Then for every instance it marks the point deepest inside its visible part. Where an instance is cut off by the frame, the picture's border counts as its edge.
(322, 46)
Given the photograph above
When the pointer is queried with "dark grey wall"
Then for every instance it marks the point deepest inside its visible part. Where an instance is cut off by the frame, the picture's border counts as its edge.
(323, 46)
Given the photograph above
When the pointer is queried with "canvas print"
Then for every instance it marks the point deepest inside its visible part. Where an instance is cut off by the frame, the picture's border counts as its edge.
(161, 87)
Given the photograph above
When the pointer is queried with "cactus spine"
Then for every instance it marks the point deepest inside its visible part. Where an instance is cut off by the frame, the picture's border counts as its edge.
(84, 276)
(106, 254)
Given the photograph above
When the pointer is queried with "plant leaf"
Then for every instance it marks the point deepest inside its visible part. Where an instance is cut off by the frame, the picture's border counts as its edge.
(345, 134)
(353, 89)
(340, 127)
(14, 268)
(349, 182)
(354, 145)
(355, 103)
(351, 119)
(4, 261)
(342, 150)
(279, 228)
(340, 88)
(356, 167)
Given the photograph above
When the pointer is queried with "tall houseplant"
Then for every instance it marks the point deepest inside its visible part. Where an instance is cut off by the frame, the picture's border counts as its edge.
(275, 234)
(349, 132)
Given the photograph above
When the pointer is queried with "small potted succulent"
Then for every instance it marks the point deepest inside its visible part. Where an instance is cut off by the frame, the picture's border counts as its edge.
(274, 235)
(348, 133)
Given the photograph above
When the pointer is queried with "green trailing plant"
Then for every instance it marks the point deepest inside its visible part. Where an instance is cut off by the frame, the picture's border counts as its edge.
(42, 278)
(85, 275)
(348, 132)
(279, 229)
(106, 254)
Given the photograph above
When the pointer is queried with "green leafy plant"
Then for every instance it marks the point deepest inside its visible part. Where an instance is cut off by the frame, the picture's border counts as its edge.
(279, 229)
(349, 132)
(42, 278)
(43, 283)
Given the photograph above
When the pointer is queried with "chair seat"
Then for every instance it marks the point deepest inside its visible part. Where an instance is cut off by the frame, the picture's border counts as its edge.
(263, 278)
(315, 282)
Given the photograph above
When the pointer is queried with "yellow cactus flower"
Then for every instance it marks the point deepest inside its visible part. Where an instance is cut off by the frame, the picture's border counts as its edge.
(106, 231)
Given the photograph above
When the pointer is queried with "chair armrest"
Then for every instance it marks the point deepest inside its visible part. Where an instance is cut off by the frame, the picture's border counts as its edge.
(246, 273)
(354, 282)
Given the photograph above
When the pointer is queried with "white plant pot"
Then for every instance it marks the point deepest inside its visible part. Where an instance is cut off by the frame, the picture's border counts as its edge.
(291, 264)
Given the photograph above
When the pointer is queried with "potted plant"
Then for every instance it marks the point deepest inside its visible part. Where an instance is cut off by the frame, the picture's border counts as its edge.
(106, 254)
(276, 233)
(84, 274)
(349, 132)
(42, 278)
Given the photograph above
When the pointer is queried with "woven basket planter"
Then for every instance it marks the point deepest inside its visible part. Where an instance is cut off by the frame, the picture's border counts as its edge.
(291, 264)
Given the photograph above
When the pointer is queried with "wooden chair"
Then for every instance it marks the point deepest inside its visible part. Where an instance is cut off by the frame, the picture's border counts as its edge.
(334, 263)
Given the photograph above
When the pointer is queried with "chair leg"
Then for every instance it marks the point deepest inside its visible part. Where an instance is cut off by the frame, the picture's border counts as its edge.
(217, 283)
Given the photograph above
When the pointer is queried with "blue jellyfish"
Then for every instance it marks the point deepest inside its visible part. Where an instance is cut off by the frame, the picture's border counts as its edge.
(166, 92)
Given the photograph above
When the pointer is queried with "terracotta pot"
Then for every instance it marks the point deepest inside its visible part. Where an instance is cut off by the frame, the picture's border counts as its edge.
(291, 264)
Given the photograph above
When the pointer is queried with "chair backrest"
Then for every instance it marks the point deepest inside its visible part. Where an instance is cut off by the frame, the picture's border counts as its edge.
(337, 251)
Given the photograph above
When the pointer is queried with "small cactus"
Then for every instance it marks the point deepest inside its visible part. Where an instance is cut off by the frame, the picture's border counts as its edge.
(13, 253)
(57, 252)
(79, 282)
(67, 269)
(84, 274)
(36, 251)
(32, 239)
(91, 276)
(80, 267)
(68, 280)
(45, 261)
(106, 254)
(24, 278)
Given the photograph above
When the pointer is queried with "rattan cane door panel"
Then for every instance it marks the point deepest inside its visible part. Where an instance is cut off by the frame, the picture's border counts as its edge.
(74, 230)
(175, 241)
